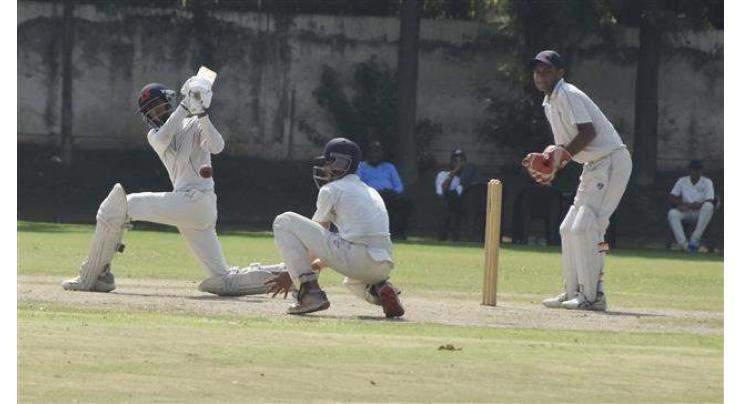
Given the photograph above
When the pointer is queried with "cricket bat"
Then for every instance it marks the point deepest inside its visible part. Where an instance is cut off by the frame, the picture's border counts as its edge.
(208, 74)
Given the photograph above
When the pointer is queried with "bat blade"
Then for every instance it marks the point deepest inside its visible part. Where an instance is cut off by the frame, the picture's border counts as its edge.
(207, 74)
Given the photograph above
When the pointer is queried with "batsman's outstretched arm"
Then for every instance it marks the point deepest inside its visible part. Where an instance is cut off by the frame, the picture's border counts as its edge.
(161, 138)
(210, 139)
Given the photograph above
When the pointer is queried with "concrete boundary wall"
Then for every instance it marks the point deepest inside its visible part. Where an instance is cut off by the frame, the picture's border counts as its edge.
(270, 65)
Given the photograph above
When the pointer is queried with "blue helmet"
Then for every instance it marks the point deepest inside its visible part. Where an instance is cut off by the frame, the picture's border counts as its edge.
(151, 97)
(341, 157)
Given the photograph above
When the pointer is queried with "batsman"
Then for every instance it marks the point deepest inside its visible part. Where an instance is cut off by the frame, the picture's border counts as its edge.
(582, 133)
(184, 138)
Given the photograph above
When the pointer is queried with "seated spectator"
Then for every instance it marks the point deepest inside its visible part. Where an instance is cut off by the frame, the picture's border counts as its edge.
(692, 199)
(383, 177)
(450, 186)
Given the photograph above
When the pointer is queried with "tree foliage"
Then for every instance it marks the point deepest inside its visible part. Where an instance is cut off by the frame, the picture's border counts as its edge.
(369, 113)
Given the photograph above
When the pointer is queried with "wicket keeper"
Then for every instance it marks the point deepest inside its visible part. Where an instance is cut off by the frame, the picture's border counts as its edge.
(584, 134)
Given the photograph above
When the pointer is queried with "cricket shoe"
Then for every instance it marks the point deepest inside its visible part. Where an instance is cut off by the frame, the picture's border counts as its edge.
(692, 247)
(600, 303)
(580, 303)
(388, 296)
(105, 283)
(555, 302)
(309, 301)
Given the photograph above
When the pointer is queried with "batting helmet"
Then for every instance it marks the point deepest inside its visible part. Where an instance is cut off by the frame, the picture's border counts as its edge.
(156, 103)
(341, 157)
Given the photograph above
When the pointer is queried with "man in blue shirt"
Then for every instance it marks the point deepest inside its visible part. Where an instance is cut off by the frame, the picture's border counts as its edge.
(383, 177)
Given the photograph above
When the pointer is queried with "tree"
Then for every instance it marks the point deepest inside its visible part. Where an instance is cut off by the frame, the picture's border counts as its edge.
(65, 138)
(654, 18)
(408, 73)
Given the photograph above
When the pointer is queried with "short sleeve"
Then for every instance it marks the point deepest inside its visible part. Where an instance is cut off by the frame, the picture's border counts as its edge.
(325, 205)
(438, 182)
(676, 191)
(577, 111)
(709, 191)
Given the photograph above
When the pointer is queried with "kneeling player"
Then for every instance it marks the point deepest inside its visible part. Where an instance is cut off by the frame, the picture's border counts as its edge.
(184, 139)
(361, 250)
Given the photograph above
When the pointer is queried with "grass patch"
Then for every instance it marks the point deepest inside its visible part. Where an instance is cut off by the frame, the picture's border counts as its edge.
(634, 278)
(116, 356)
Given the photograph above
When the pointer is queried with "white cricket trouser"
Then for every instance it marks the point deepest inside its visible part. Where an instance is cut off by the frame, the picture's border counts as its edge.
(298, 237)
(700, 217)
(193, 213)
(601, 187)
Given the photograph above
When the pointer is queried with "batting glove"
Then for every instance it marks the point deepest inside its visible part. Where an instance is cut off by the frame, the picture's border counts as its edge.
(197, 96)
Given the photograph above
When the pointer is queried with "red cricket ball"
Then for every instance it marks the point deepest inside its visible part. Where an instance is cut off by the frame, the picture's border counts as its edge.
(206, 171)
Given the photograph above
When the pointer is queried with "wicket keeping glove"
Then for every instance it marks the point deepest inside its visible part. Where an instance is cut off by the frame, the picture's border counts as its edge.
(558, 156)
(539, 168)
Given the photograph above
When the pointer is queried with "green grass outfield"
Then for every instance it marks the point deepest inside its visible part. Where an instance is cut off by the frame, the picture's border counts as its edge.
(113, 354)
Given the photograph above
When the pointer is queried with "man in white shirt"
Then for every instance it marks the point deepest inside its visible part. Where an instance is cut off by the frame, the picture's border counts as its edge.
(692, 199)
(584, 134)
(449, 187)
(184, 139)
(361, 250)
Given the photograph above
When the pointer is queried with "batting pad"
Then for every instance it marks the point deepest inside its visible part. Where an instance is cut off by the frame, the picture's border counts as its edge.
(586, 233)
(570, 275)
(109, 230)
(240, 282)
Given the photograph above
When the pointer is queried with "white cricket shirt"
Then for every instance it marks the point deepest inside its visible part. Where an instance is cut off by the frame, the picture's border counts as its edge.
(568, 106)
(359, 213)
(689, 192)
(454, 183)
(184, 145)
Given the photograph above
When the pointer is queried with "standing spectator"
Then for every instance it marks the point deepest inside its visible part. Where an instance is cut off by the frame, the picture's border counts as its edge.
(692, 200)
(383, 177)
(450, 186)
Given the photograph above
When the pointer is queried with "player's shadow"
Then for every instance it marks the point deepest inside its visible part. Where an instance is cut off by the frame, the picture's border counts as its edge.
(630, 314)
(345, 317)
(241, 299)
(381, 318)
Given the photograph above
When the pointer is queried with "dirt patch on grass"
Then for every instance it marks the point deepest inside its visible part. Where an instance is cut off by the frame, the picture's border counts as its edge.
(182, 297)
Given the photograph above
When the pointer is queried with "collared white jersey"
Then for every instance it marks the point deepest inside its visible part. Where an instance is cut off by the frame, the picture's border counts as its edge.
(454, 183)
(689, 192)
(356, 209)
(568, 106)
(184, 144)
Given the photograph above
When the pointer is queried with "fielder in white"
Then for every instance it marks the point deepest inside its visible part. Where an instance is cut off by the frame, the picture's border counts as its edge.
(583, 133)
(692, 199)
(184, 139)
(361, 250)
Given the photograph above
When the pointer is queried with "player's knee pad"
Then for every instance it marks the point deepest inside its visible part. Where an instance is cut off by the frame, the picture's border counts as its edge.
(239, 282)
(585, 223)
(567, 224)
(109, 230)
(588, 259)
